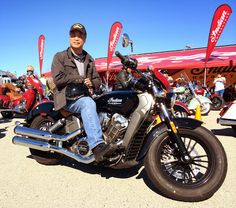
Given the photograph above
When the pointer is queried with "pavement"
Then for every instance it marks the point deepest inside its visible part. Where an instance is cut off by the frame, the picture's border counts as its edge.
(25, 183)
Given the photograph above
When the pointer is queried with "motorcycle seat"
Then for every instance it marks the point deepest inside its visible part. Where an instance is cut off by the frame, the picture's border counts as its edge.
(13, 96)
(65, 113)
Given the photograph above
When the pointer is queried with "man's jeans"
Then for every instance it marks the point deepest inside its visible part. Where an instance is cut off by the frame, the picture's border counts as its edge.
(220, 93)
(86, 107)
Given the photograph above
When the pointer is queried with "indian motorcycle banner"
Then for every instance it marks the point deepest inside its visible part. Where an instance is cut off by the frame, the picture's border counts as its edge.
(113, 39)
(219, 21)
(41, 42)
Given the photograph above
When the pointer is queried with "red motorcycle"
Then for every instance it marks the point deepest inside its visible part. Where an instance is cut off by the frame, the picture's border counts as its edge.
(217, 101)
(22, 98)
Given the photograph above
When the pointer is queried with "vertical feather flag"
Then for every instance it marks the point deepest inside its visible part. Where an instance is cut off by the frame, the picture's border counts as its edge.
(41, 42)
(113, 39)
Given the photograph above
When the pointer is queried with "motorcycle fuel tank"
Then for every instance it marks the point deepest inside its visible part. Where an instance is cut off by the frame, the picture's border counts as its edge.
(123, 102)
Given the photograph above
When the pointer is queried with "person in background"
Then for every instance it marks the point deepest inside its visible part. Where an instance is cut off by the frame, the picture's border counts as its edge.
(219, 83)
(166, 75)
(75, 66)
(30, 71)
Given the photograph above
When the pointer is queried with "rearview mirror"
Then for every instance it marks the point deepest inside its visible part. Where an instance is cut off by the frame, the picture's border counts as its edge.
(126, 41)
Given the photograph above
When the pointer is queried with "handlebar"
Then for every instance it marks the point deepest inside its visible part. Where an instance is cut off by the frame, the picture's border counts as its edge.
(127, 61)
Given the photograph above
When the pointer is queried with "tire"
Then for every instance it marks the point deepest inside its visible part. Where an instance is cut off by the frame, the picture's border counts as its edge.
(217, 103)
(7, 114)
(234, 128)
(180, 114)
(187, 182)
(43, 157)
(205, 108)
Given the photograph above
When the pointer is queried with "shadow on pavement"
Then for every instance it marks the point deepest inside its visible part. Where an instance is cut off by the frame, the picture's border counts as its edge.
(224, 132)
(5, 120)
(103, 171)
(107, 173)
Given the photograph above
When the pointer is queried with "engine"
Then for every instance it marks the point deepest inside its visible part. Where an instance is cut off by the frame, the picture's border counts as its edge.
(113, 126)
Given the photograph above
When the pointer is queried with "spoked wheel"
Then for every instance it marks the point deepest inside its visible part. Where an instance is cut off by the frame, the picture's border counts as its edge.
(180, 114)
(43, 157)
(217, 103)
(195, 180)
(205, 108)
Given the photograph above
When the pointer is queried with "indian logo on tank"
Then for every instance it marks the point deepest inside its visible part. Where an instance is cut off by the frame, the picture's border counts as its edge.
(114, 101)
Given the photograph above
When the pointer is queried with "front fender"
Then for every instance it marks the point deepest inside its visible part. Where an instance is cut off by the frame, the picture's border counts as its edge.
(188, 123)
(194, 102)
(45, 108)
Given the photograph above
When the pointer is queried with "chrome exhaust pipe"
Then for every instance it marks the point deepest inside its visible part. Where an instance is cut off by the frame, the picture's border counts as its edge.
(44, 135)
(45, 146)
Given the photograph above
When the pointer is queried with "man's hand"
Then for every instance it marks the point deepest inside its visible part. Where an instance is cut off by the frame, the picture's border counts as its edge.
(89, 84)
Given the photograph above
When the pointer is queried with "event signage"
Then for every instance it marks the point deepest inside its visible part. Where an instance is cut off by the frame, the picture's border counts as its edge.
(41, 42)
(219, 21)
(113, 39)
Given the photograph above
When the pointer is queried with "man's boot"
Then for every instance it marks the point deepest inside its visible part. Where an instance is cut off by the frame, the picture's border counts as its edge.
(102, 150)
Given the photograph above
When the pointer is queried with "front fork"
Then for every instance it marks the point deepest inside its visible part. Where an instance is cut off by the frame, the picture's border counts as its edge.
(174, 133)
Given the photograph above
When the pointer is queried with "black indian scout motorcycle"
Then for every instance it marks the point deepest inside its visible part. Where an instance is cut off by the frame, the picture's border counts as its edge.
(183, 159)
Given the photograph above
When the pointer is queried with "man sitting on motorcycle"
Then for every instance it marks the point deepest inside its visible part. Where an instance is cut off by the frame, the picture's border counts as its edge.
(75, 66)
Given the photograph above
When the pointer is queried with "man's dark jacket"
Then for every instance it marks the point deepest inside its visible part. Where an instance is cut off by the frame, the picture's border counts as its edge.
(64, 71)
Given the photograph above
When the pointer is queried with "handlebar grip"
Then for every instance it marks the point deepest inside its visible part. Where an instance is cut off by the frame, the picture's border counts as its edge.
(120, 56)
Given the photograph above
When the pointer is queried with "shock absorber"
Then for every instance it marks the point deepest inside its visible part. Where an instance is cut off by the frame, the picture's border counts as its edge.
(61, 122)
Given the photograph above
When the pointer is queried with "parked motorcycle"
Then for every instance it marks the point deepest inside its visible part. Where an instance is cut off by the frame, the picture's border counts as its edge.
(217, 101)
(22, 98)
(183, 159)
(228, 115)
(187, 95)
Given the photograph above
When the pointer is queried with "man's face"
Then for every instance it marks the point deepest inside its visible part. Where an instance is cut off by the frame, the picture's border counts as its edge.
(77, 40)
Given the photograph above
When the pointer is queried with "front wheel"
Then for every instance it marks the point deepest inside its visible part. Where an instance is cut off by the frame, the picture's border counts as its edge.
(43, 157)
(205, 108)
(191, 181)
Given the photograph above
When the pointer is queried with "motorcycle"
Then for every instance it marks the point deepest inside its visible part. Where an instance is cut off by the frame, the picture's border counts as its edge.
(217, 101)
(22, 98)
(183, 159)
(187, 95)
(228, 115)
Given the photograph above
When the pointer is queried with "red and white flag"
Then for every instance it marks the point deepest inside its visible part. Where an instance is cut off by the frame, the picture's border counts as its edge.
(41, 42)
(219, 21)
(113, 39)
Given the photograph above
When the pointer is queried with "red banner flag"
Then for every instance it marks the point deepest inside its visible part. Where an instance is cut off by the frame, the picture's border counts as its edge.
(219, 21)
(41, 42)
(113, 39)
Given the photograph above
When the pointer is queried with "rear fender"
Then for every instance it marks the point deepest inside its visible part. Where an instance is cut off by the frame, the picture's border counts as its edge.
(159, 129)
(44, 109)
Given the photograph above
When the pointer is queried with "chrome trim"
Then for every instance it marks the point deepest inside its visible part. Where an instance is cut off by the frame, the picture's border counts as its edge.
(45, 135)
(44, 146)
(226, 122)
(146, 101)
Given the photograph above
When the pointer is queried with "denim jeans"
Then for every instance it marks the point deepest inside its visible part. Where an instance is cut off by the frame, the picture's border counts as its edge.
(220, 93)
(86, 107)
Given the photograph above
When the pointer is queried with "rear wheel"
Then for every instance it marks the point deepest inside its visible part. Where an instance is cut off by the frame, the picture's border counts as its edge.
(191, 181)
(217, 103)
(43, 157)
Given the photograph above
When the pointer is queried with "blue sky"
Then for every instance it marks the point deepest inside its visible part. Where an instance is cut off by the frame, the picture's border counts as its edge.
(153, 25)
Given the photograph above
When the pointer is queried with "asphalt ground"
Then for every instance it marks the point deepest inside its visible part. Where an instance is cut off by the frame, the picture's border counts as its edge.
(25, 183)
